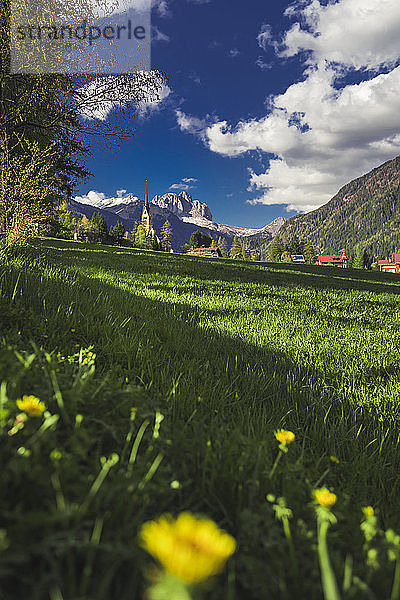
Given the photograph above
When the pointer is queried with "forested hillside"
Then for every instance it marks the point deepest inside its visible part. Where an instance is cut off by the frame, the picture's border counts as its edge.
(364, 212)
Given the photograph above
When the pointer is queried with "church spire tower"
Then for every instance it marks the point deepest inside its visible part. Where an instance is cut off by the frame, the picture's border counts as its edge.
(146, 214)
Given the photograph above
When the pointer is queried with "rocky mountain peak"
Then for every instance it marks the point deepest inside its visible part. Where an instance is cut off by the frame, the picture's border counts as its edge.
(183, 205)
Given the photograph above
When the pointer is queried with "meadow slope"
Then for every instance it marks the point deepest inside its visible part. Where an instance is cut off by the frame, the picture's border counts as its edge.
(228, 352)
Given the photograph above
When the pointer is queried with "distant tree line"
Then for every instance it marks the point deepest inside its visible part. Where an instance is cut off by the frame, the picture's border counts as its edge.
(363, 216)
(95, 230)
(282, 249)
(238, 250)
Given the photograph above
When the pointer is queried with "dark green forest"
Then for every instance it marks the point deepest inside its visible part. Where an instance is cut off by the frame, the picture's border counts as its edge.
(364, 212)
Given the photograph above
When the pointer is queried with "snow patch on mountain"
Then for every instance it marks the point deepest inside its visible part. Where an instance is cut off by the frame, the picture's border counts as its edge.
(99, 200)
(180, 206)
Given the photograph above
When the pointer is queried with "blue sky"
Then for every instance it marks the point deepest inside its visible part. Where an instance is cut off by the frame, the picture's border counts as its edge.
(270, 107)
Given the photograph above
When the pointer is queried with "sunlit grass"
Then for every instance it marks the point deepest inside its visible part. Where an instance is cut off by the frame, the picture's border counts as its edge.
(232, 351)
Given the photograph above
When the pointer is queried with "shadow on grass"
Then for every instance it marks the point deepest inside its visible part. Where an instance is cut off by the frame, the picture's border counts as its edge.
(242, 386)
(274, 274)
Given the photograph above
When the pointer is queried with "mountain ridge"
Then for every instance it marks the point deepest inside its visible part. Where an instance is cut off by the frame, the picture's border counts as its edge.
(365, 211)
(185, 215)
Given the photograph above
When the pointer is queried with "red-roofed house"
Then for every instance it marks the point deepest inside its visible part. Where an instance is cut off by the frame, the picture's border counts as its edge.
(390, 266)
(333, 260)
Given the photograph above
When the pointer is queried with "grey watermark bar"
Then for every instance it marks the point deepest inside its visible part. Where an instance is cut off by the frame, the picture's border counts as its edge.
(80, 36)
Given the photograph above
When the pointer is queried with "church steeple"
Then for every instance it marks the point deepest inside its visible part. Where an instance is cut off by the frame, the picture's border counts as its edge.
(146, 214)
(147, 199)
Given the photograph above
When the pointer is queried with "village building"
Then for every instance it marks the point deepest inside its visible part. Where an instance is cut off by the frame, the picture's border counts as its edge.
(146, 216)
(207, 252)
(333, 260)
(298, 258)
(390, 266)
(146, 219)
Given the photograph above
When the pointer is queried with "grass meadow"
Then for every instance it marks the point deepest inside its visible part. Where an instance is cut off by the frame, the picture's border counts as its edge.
(213, 356)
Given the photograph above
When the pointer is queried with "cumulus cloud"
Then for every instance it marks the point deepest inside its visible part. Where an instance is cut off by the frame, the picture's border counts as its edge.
(320, 132)
(93, 198)
(363, 34)
(120, 193)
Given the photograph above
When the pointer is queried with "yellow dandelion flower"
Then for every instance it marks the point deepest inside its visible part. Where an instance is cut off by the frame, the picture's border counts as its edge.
(188, 548)
(31, 405)
(334, 459)
(368, 511)
(284, 437)
(324, 497)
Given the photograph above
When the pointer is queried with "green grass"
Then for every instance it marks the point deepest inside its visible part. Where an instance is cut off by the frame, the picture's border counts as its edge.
(228, 351)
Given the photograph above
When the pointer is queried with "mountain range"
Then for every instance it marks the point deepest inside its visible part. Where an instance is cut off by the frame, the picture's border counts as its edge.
(185, 215)
(364, 212)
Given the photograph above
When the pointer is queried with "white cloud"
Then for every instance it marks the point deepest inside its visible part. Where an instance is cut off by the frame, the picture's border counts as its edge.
(354, 33)
(264, 38)
(234, 52)
(120, 193)
(180, 186)
(191, 124)
(109, 7)
(151, 105)
(93, 198)
(184, 184)
(320, 132)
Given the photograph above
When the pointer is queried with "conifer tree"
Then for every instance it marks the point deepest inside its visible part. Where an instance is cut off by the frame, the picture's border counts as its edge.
(359, 259)
(99, 224)
(165, 236)
(309, 253)
(156, 243)
(295, 246)
(118, 232)
(223, 246)
(200, 240)
(277, 248)
(134, 233)
(140, 236)
(245, 254)
(236, 249)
